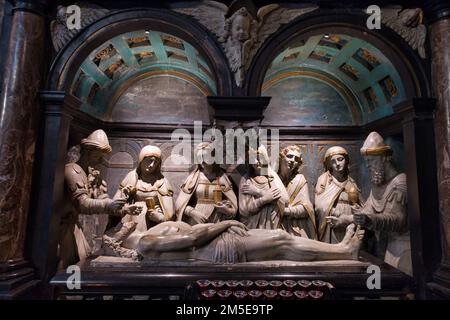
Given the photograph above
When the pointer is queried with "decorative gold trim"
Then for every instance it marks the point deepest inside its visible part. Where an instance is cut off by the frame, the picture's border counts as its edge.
(333, 154)
(376, 151)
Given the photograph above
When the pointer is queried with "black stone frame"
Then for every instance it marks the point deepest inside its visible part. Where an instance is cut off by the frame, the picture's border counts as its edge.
(62, 119)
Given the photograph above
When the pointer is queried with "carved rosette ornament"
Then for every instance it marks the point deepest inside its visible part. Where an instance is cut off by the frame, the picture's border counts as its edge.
(408, 24)
(240, 33)
(61, 34)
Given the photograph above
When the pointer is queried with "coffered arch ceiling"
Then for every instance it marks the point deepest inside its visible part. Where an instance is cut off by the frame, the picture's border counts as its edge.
(129, 57)
(362, 75)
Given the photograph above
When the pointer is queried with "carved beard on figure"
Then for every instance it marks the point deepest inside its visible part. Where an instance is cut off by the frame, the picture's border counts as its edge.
(377, 175)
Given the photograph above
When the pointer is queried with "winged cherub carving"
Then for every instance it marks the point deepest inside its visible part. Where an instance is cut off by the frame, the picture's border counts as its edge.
(241, 34)
(61, 34)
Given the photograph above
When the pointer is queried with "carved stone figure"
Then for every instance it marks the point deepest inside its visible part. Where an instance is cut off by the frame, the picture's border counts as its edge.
(385, 209)
(336, 192)
(207, 194)
(96, 185)
(408, 24)
(79, 199)
(239, 32)
(147, 188)
(230, 242)
(61, 34)
(298, 217)
(262, 195)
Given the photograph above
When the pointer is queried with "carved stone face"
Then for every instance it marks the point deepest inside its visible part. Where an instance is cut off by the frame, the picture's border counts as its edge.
(291, 161)
(149, 165)
(205, 158)
(94, 156)
(240, 27)
(260, 167)
(338, 163)
(375, 165)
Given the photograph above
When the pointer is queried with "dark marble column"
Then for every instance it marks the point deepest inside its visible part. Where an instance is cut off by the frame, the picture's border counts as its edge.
(19, 115)
(420, 169)
(438, 13)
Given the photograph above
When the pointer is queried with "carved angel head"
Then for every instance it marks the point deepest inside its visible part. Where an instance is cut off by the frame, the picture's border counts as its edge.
(238, 26)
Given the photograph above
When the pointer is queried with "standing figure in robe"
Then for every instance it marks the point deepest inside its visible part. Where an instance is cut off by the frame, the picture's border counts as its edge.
(262, 195)
(298, 218)
(385, 210)
(336, 193)
(84, 193)
(146, 187)
(207, 195)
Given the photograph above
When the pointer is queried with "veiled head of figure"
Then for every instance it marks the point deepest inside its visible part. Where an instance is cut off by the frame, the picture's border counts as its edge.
(149, 160)
(95, 147)
(205, 156)
(336, 160)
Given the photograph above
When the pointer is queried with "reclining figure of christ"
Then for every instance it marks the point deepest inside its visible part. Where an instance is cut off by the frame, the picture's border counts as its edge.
(230, 241)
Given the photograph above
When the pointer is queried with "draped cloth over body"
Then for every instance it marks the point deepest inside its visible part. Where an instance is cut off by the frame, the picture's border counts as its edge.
(332, 194)
(298, 192)
(228, 248)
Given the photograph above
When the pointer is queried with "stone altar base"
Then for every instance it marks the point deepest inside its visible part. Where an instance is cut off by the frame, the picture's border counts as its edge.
(123, 278)
(117, 262)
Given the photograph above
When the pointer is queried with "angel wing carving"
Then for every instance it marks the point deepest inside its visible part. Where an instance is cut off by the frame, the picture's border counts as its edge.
(270, 19)
(408, 24)
(61, 34)
(240, 35)
(211, 14)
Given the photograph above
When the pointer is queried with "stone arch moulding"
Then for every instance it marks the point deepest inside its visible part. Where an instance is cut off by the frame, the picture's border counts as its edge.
(405, 60)
(69, 59)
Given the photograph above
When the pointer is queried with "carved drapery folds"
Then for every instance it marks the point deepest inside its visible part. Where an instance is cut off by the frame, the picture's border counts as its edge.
(60, 32)
(239, 32)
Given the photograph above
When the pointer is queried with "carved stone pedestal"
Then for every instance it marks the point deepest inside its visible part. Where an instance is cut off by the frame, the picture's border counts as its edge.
(121, 279)
(16, 279)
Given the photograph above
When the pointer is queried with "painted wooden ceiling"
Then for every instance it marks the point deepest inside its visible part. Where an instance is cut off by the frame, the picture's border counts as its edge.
(365, 79)
(357, 70)
(129, 57)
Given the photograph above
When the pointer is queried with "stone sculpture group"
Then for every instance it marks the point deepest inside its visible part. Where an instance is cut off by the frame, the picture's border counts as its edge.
(271, 218)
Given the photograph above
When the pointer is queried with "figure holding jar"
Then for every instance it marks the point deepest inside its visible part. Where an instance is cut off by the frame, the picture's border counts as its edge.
(335, 195)
(207, 195)
(144, 186)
